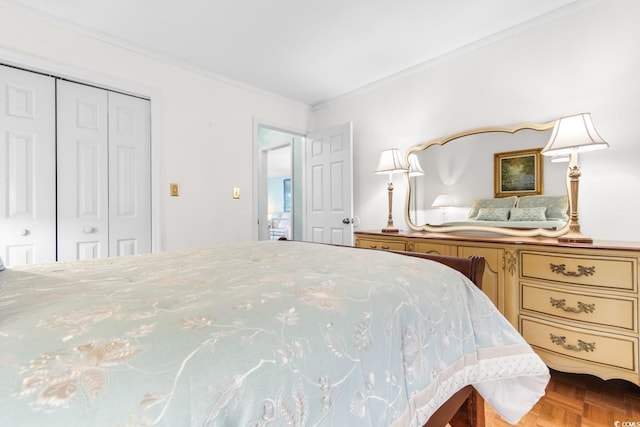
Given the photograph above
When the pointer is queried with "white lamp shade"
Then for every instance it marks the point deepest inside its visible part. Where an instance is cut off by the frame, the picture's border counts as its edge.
(414, 166)
(443, 200)
(390, 162)
(573, 133)
(560, 159)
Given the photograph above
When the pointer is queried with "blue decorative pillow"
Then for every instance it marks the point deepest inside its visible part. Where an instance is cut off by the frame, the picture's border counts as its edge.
(493, 214)
(557, 206)
(504, 202)
(528, 214)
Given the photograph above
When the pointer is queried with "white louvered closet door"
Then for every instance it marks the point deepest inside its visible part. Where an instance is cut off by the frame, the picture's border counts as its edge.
(27, 167)
(82, 147)
(129, 175)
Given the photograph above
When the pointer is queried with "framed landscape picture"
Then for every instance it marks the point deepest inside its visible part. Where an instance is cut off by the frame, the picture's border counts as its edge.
(518, 173)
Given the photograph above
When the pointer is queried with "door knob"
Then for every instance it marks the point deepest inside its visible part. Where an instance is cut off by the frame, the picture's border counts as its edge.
(89, 230)
(23, 232)
(347, 221)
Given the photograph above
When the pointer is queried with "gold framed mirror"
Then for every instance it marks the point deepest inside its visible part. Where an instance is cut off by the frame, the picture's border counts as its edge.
(488, 180)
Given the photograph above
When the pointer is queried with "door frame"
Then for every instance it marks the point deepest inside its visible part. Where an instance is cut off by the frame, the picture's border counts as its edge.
(92, 78)
(258, 166)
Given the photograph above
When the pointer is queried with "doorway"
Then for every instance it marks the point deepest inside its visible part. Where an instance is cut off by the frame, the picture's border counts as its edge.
(321, 184)
(279, 189)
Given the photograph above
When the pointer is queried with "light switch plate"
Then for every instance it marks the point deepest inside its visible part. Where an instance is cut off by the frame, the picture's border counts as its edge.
(236, 192)
(174, 189)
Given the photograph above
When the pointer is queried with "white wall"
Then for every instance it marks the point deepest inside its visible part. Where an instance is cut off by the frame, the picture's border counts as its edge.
(205, 126)
(588, 61)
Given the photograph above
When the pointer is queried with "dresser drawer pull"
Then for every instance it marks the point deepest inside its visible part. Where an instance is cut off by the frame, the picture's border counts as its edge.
(582, 271)
(582, 307)
(384, 247)
(582, 346)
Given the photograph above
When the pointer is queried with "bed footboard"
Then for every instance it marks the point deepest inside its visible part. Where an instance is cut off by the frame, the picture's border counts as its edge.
(463, 409)
(472, 267)
(466, 407)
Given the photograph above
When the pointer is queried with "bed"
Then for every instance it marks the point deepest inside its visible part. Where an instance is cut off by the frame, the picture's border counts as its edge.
(523, 212)
(262, 333)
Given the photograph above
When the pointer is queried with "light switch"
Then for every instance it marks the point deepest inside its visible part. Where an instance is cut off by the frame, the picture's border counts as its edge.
(174, 189)
(236, 192)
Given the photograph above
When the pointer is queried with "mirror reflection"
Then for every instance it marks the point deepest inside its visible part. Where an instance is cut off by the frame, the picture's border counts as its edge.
(489, 180)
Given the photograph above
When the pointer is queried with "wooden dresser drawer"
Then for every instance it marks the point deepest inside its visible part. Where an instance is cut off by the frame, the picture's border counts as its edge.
(608, 311)
(597, 347)
(604, 272)
(381, 244)
(434, 248)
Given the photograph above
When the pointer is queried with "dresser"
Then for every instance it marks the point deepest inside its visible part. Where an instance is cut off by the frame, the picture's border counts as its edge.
(575, 304)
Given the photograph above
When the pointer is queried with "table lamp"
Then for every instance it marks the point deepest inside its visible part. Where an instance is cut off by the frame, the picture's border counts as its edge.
(390, 163)
(443, 201)
(572, 135)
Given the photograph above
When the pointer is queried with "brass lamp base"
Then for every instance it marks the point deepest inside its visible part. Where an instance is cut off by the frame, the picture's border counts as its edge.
(390, 230)
(574, 237)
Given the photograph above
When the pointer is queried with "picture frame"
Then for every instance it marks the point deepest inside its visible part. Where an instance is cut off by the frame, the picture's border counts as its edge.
(518, 173)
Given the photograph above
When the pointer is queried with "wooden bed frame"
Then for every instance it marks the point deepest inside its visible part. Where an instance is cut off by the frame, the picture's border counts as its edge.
(466, 407)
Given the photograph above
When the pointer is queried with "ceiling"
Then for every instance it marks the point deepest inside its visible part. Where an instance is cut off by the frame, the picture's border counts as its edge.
(305, 50)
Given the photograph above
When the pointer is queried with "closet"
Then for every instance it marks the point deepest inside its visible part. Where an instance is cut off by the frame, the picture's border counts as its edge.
(74, 170)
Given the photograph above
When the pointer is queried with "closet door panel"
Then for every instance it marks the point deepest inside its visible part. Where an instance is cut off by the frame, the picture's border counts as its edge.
(129, 175)
(27, 167)
(82, 148)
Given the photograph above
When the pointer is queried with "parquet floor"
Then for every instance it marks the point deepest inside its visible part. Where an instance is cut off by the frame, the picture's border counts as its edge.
(577, 400)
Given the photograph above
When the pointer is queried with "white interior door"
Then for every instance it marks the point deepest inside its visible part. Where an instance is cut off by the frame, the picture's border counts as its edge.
(129, 175)
(27, 167)
(83, 210)
(329, 186)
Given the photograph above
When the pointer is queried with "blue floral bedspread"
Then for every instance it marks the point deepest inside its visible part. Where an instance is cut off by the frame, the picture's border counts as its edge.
(252, 334)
